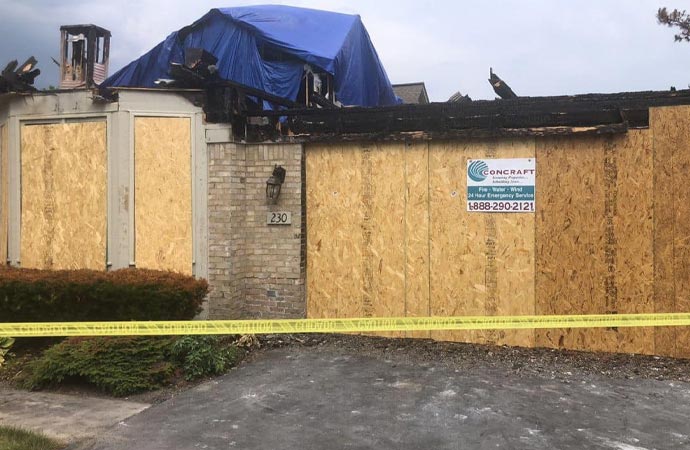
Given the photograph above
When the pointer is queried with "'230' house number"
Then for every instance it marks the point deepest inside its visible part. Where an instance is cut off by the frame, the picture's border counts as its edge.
(278, 218)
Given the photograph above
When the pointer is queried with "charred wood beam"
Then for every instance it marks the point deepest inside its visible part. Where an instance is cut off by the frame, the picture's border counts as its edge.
(187, 77)
(222, 104)
(19, 78)
(263, 95)
(388, 122)
(636, 118)
(623, 101)
(198, 57)
(10, 68)
(280, 101)
(571, 111)
(28, 65)
(500, 87)
(320, 100)
(617, 128)
(199, 71)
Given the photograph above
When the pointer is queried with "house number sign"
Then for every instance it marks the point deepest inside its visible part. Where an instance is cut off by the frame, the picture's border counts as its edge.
(278, 218)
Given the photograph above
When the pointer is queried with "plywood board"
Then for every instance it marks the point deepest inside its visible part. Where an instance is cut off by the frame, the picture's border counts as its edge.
(603, 238)
(387, 213)
(365, 258)
(370, 252)
(634, 234)
(671, 133)
(515, 259)
(163, 193)
(664, 126)
(594, 237)
(63, 196)
(457, 278)
(570, 229)
(4, 194)
(416, 157)
(481, 263)
(334, 232)
(681, 226)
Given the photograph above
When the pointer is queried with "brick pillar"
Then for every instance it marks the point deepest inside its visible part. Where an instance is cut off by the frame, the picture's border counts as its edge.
(255, 270)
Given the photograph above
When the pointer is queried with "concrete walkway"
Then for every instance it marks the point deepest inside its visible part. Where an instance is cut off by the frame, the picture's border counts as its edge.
(65, 417)
(309, 399)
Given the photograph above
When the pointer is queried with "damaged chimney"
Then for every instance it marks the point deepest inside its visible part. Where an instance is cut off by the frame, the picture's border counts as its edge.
(84, 52)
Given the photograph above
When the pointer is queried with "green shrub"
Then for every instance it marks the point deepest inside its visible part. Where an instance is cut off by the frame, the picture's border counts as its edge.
(202, 356)
(126, 365)
(117, 365)
(28, 295)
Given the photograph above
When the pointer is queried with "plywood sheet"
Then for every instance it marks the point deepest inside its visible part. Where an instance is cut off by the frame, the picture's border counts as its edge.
(387, 247)
(400, 241)
(681, 226)
(633, 238)
(367, 231)
(63, 195)
(334, 232)
(570, 229)
(671, 133)
(481, 263)
(515, 259)
(163, 193)
(416, 157)
(664, 127)
(457, 278)
(4, 194)
(594, 237)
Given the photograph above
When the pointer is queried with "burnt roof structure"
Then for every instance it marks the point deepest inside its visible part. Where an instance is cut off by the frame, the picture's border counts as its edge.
(592, 114)
(271, 48)
(84, 56)
(85, 29)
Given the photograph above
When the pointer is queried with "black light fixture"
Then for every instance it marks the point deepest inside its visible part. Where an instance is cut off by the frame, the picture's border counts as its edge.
(274, 183)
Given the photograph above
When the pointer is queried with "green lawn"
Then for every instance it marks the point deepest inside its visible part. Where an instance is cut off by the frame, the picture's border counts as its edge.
(12, 438)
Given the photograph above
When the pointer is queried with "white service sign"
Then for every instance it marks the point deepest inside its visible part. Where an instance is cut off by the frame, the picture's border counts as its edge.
(501, 185)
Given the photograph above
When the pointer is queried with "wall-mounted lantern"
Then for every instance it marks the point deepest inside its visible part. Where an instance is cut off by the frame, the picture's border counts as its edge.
(274, 183)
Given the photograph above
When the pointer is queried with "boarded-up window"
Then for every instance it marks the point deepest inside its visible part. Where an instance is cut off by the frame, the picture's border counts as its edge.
(163, 193)
(63, 195)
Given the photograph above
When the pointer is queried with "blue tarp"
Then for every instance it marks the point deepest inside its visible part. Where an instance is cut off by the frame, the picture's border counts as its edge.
(336, 43)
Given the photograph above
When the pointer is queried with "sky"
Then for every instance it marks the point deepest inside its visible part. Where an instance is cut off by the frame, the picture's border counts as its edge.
(540, 47)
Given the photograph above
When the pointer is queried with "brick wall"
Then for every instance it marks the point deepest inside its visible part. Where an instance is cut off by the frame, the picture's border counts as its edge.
(255, 270)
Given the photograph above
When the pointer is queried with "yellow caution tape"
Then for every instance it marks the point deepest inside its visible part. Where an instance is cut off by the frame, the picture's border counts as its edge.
(155, 328)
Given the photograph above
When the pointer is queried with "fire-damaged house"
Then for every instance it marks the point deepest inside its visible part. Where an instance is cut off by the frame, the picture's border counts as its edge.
(263, 148)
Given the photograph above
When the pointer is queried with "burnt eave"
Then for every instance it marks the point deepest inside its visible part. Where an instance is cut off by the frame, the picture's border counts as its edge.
(551, 104)
(523, 116)
(469, 133)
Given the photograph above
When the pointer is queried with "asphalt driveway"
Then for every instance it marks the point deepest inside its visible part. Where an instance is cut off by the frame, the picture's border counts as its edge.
(333, 398)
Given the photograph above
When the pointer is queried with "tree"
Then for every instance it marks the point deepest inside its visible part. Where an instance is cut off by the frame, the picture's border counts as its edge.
(675, 18)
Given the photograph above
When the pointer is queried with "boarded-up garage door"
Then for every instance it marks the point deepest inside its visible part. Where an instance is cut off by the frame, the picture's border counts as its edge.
(63, 195)
(389, 235)
(163, 193)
